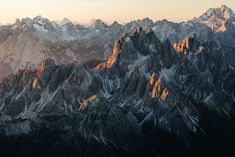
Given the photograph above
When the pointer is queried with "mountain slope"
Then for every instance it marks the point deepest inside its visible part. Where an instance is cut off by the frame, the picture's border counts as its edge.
(28, 42)
(145, 87)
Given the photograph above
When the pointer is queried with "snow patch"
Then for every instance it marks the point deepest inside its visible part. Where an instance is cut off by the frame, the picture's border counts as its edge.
(200, 49)
(210, 12)
(14, 27)
(127, 39)
(40, 28)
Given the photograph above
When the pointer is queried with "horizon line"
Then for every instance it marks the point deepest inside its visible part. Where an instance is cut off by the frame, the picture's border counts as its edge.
(110, 22)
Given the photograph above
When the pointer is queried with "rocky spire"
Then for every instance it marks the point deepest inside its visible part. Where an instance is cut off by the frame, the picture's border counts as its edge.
(111, 60)
(189, 44)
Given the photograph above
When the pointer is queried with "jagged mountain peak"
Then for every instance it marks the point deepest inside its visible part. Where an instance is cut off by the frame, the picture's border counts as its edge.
(36, 19)
(38, 23)
(217, 18)
(144, 23)
(146, 20)
(138, 30)
(40, 20)
(116, 24)
(17, 22)
(223, 12)
(112, 58)
(136, 48)
(189, 44)
(39, 17)
(97, 24)
(65, 21)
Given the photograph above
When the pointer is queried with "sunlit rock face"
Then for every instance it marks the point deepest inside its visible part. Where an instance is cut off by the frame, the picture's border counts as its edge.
(189, 44)
(146, 89)
(111, 60)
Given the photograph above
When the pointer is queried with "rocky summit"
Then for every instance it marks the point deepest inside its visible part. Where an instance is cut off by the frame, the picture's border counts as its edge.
(149, 98)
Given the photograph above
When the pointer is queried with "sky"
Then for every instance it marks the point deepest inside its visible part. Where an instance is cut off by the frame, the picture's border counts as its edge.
(122, 11)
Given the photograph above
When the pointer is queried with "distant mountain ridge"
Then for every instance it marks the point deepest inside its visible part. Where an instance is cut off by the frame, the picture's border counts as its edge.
(27, 42)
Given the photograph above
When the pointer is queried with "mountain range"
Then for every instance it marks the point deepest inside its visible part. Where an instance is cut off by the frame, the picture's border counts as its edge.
(27, 42)
(165, 89)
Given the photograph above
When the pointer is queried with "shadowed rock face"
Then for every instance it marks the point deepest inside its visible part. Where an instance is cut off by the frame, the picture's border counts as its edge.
(145, 99)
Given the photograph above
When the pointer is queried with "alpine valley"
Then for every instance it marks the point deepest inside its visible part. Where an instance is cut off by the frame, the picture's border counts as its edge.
(138, 89)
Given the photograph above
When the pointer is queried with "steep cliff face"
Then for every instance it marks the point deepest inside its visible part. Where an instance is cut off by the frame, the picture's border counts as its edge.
(146, 89)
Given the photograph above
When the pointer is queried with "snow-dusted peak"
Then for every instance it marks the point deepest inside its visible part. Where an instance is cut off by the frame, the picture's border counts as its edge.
(40, 20)
(97, 24)
(115, 23)
(144, 23)
(217, 18)
(44, 25)
(39, 24)
(65, 21)
(223, 12)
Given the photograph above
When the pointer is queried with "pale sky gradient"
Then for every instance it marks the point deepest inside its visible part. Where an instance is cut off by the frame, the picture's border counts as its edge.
(108, 10)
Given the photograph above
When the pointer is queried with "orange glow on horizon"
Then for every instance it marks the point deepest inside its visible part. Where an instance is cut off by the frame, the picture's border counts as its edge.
(122, 11)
